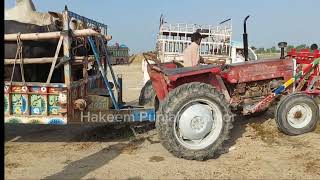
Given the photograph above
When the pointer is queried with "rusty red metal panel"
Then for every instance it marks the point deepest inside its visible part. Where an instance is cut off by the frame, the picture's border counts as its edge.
(303, 58)
(163, 84)
(259, 70)
(159, 84)
(214, 70)
(207, 78)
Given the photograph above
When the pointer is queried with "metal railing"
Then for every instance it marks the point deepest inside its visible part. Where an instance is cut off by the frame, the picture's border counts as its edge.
(191, 28)
(174, 38)
(89, 22)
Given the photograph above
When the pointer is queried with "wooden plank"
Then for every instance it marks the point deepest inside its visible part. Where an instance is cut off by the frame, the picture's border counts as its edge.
(30, 61)
(67, 65)
(53, 85)
(49, 35)
(53, 65)
(44, 60)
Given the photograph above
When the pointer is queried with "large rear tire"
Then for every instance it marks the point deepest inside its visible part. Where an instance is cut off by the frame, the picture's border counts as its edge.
(297, 114)
(194, 120)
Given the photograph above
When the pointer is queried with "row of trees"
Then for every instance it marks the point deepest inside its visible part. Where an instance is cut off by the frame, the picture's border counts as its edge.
(277, 50)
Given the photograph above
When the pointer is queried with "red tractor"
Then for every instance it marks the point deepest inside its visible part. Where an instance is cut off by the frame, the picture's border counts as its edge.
(197, 105)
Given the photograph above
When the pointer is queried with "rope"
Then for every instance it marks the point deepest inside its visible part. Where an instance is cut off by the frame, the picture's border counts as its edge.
(21, 60)
(18, 55)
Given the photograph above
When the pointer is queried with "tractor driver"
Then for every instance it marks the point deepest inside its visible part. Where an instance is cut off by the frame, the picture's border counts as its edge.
(191, 56)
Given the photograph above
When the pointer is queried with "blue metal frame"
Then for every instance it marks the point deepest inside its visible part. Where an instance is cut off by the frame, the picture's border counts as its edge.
(88, 21)
(105, 79)
(109, 64)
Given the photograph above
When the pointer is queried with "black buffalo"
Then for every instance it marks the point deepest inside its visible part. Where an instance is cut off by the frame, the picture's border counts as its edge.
(37, 49)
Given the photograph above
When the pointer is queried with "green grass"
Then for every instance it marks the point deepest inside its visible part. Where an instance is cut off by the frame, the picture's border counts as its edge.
(268, 56)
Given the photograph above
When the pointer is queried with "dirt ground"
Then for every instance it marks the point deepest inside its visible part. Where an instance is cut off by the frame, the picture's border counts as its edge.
(256, 150)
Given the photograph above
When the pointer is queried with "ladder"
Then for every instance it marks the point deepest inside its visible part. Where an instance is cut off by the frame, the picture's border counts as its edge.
(102, 70)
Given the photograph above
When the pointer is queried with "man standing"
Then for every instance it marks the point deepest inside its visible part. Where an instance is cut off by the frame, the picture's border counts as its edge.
(191, 55)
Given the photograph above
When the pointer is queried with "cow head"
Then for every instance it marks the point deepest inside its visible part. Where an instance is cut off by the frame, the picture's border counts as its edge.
(76, 24)
(56, 19)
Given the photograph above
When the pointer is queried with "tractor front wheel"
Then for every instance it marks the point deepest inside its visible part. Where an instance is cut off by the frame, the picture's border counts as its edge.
(297, 114)
(194, 120)
(148, 96)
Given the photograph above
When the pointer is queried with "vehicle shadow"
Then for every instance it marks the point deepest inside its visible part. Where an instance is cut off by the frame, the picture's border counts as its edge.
(239, 128)
(80, 168)
(74, 133)
(123, 138)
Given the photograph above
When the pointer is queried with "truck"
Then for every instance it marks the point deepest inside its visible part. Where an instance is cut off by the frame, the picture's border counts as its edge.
(217, 41)
(81, 94)
(119, 54)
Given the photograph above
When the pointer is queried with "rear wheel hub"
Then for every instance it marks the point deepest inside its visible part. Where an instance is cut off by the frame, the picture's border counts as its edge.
(198, 124)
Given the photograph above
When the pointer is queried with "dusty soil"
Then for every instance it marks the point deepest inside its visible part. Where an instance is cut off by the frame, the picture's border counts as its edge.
(257, 150)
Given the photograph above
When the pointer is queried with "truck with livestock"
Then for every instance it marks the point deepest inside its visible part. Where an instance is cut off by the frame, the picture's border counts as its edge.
(57, 71)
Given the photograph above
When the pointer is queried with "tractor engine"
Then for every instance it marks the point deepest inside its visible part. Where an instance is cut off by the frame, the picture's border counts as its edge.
(246, 94)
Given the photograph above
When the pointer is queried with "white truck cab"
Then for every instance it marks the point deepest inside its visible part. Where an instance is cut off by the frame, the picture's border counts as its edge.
(236, 57)
(217, 43)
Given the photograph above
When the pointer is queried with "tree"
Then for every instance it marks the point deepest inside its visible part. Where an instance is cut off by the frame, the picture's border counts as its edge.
(302, 46)
(260, 51)
(273, 49)
(289, 48)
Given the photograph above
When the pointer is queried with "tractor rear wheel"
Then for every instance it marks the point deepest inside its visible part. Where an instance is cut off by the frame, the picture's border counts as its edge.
(297, 114)
(194, 120)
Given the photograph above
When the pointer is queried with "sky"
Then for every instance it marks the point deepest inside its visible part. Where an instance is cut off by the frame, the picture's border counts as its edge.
(135, 23)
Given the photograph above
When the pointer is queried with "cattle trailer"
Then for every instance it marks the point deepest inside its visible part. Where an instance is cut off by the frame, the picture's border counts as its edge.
(89, 99)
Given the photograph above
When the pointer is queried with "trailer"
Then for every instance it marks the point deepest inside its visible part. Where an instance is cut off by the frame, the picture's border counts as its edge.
(92, 98)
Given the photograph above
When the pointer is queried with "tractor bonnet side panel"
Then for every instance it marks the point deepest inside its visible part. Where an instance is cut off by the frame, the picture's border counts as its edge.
(258, 70)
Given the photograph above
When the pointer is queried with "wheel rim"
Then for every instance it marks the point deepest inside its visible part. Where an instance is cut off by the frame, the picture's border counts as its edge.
(299, 115)
(198, 124)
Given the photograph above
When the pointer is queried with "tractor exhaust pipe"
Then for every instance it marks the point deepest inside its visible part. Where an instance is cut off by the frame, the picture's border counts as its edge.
(282, 46)
(245, 40)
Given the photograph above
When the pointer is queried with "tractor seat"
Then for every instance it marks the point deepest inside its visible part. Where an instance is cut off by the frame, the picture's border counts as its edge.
(170, 72)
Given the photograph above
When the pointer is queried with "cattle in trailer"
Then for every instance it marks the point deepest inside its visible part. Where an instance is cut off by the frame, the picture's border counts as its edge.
(23, 18)
(31, 49)
(24, 11)
(34, 49)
